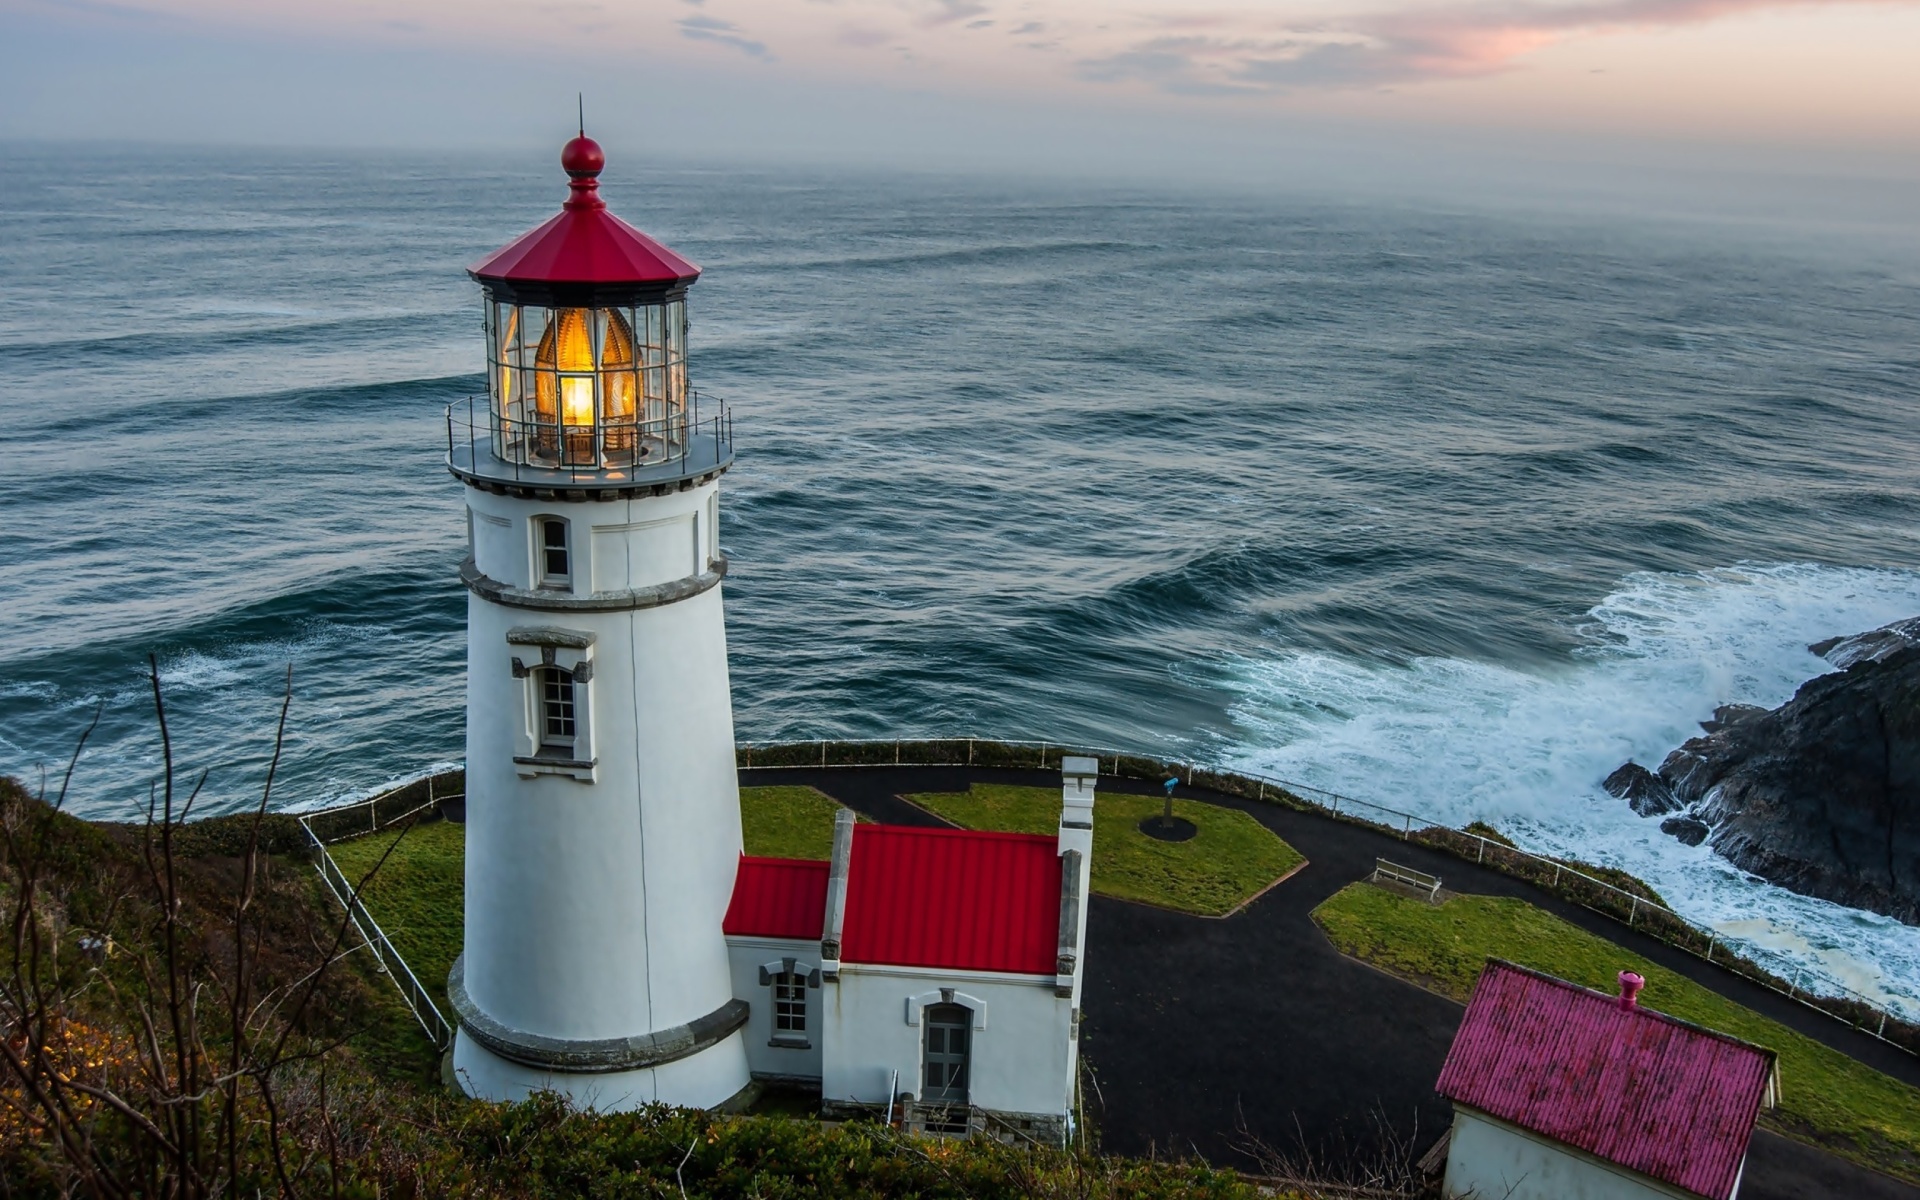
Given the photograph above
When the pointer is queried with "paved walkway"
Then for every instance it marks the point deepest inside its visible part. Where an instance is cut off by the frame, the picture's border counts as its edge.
(1214, 1037)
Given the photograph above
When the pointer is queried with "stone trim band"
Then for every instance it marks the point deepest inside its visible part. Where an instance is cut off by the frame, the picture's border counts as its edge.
(489, 588)
(595, 1056)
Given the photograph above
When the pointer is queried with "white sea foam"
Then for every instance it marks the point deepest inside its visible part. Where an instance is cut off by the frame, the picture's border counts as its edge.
(1526, 750)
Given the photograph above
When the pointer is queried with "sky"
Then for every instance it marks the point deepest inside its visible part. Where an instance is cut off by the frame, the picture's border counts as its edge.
(1166, 86)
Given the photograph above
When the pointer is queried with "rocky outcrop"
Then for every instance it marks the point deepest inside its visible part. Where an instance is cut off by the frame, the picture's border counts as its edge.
(1821, 795)
(1690, 830)
(1871, 646)
(1647, 793)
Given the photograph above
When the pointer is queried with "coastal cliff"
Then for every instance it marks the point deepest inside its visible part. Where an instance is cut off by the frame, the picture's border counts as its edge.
(1820, 795)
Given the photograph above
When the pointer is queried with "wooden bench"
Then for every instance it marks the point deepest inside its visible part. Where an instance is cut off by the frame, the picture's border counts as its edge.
(1406, 877)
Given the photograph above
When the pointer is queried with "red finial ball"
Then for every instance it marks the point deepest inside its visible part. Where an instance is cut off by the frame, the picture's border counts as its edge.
(582, 158)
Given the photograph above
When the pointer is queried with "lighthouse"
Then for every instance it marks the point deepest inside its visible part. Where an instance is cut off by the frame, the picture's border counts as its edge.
(603, 818)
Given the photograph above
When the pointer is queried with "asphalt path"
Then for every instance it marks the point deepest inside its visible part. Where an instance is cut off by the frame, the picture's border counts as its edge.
(1251, 1038)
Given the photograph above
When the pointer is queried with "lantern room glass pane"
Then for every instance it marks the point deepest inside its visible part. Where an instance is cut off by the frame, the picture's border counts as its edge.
(599, 388)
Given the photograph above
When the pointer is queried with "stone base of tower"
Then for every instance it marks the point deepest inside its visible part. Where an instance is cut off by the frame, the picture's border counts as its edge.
(707, 1079)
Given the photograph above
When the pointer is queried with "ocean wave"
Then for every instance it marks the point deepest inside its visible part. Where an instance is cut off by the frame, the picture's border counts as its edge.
(1461, 740)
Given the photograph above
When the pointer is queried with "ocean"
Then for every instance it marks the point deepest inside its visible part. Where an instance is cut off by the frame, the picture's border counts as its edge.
(1450, 507)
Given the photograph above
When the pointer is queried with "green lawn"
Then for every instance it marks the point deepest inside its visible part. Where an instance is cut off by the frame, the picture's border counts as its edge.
(787, 822)
(1231, 860)
(418, 896)
(1825, 1097)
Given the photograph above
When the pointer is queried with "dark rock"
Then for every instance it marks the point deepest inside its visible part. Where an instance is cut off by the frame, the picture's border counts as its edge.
(1647, 793)
(1871, 646)
(1821, 795)
(1729, 715)
(1691, 830)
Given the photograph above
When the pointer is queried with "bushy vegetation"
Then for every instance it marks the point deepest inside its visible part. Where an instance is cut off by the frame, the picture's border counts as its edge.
(543, 1150)
(1232, 858)
(1826, 1097)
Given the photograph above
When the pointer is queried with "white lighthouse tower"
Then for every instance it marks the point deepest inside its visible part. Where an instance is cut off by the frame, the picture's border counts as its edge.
(603, 818)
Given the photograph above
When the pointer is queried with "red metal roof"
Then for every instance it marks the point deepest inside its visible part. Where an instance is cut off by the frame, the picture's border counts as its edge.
(1637, 1087)
(952, 898)
(778, 898)
(585, 244)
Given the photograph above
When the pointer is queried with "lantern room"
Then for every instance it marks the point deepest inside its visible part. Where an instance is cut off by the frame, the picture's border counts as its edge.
(586, 333)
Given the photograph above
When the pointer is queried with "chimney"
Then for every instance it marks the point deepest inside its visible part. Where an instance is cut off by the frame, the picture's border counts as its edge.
(1630, 985)
(839, 867)
(1078, 779)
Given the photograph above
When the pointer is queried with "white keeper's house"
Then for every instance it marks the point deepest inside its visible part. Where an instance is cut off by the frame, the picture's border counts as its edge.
(619, 948)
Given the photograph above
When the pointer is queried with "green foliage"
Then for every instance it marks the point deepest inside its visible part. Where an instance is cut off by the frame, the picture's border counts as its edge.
(1826, 1097)
(787, 822)
(547, 1151)
(1232, 858)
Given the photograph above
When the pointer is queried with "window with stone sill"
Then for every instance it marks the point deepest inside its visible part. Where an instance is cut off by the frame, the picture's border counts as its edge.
(557, 713)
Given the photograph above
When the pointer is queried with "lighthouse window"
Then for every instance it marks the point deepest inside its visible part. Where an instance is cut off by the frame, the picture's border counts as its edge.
(556, 567)
(789, 1003)
(556, 711)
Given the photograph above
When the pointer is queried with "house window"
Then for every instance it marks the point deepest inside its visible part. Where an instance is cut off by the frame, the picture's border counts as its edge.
(789, 1003)
(556, 712)
(556, 563)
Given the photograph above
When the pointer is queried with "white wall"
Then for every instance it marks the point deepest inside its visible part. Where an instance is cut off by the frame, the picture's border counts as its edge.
(1021, 1058)
(748, 955)
(1492, 1160)
(594, 908)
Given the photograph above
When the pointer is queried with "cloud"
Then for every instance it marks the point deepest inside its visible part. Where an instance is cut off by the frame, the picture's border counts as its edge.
(949, 12)
(862, 36)
(726, 33)
(1383, 48)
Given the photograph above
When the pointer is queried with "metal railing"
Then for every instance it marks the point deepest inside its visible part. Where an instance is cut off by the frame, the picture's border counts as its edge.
(1555, 873)
(389, 959)
(634, 449)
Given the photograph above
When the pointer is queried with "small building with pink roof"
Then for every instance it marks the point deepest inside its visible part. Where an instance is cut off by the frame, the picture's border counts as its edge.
(1564, 1093)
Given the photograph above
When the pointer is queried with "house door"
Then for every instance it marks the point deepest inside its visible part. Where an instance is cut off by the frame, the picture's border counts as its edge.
(949, 1043)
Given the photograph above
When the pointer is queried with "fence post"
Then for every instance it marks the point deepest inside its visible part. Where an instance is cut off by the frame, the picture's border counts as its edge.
(823, 752)
(896, 754)
(1633, 911)
(1556, 875)
(1481, 857)
(1263, 789)
(1710, 941)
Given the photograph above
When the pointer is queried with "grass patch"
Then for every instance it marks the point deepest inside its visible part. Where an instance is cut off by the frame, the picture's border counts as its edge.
(1826, 1097)
(787, 822)
(1232, 859)
(419, 896)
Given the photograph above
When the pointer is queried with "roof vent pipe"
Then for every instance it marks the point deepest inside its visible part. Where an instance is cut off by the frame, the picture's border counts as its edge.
(1630, 985)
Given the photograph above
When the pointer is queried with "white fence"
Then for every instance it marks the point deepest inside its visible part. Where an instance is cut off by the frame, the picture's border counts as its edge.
(391, 964)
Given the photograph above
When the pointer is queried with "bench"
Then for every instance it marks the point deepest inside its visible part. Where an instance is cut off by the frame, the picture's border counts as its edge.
(1406, 877)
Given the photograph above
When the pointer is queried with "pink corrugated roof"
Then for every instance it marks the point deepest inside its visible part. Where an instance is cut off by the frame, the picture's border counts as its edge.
(1633, 1086)
(953, 898)
(779, 898)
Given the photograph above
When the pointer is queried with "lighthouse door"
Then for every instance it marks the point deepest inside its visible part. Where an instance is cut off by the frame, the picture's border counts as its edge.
(949, 1042)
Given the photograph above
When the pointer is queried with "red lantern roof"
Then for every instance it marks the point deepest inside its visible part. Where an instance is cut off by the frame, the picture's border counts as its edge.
(585, 248)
